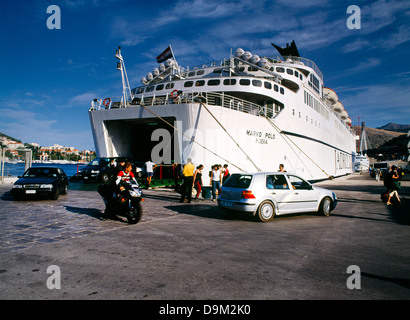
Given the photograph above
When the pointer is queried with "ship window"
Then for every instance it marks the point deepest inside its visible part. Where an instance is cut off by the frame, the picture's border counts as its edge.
(240, 69)
(191, 74)
(149, 89)
(301, 77)
(293, 112)
(268, 85)
(229, 82)
(252, 69)
(199, 83)
(296, 74)
(275, 87)
(169, 85)
(280, 69)
(282, 91)
(257, 83)
(188, 84)
(244, 82)
(289, 71)
(214, 82)
(140, 90)
(218, 70)
(159, 87)
(200, 72)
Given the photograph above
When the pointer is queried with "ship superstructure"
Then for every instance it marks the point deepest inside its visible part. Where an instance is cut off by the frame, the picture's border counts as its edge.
(250, 112)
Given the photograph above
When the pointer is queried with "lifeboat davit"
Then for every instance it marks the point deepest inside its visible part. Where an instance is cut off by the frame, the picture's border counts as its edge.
(330, 95)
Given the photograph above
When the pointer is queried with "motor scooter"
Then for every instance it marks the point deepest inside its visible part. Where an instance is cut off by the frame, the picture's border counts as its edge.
(124, 202)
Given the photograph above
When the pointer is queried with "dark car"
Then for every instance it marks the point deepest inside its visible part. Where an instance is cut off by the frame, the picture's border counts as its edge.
(103, 170)
(41, 181)
(99, 169)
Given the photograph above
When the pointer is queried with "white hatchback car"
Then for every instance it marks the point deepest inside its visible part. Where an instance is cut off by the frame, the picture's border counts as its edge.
(267, 194)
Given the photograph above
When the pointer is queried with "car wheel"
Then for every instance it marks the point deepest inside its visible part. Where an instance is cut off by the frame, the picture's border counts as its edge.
(325, 206)
(266, 211)
(105, 178)
(56, 193)
(65, 189)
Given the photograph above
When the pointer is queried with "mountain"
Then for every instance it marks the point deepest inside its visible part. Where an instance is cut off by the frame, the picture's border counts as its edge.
(396, 127)
(8, 137)
(378, 137)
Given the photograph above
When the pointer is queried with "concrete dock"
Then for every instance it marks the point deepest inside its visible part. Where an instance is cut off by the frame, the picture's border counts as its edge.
(196, 251)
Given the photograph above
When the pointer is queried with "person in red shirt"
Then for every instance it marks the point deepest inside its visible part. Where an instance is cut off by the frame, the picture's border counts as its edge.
(125, 176)
(226, 173)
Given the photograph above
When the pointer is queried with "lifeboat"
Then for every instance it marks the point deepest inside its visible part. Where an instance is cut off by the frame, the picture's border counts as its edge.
(330, 95)
(348, 121)
(344, 115)
(338, 107)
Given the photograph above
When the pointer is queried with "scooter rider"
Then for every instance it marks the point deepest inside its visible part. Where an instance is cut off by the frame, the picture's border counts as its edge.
(125, 176)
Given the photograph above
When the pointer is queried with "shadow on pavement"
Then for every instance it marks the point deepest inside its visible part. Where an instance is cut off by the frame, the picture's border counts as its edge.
(401, 282)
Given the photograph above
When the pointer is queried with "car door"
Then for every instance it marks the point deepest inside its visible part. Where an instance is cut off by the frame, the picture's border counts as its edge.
(304, 198)
(62, 179)
(277, 187)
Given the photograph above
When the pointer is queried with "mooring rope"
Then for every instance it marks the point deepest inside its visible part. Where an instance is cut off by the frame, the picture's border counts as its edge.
(248, 157)
(285, 135)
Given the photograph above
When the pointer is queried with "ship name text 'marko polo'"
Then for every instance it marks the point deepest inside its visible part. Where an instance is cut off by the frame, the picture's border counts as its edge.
(250, 112)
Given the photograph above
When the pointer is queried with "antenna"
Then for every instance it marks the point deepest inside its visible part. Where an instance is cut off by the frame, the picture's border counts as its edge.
(126, 90)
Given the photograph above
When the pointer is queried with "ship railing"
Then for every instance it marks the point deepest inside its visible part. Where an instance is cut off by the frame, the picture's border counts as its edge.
(303, 61)
(210, 98)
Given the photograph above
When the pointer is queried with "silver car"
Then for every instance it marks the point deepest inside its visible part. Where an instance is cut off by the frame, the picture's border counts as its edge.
(267, 194)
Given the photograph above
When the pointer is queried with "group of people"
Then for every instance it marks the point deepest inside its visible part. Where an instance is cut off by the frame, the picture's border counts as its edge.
(192, 178)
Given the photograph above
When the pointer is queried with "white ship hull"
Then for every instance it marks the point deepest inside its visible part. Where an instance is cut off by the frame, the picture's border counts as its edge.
(315, 156)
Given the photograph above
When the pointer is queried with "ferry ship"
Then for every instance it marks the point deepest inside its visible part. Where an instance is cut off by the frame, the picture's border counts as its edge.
(250, 112)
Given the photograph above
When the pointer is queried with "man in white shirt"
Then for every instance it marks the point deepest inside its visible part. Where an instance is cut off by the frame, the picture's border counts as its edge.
(149, 167)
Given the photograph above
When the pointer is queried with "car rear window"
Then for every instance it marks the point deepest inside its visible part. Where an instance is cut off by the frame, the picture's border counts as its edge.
(238, 181)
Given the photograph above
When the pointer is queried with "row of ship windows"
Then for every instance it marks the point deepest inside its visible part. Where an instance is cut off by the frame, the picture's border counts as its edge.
(242, 69)
(214, 82)
(315, 104)
(307, 119)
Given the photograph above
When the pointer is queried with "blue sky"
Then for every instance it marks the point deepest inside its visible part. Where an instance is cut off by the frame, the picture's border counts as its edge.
(49, 77)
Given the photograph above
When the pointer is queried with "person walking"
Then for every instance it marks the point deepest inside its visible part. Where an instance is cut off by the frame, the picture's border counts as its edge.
(394, 185)
(149, 167)
(198, 180)
(377, 174)
(216, 181)
(188, 176)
